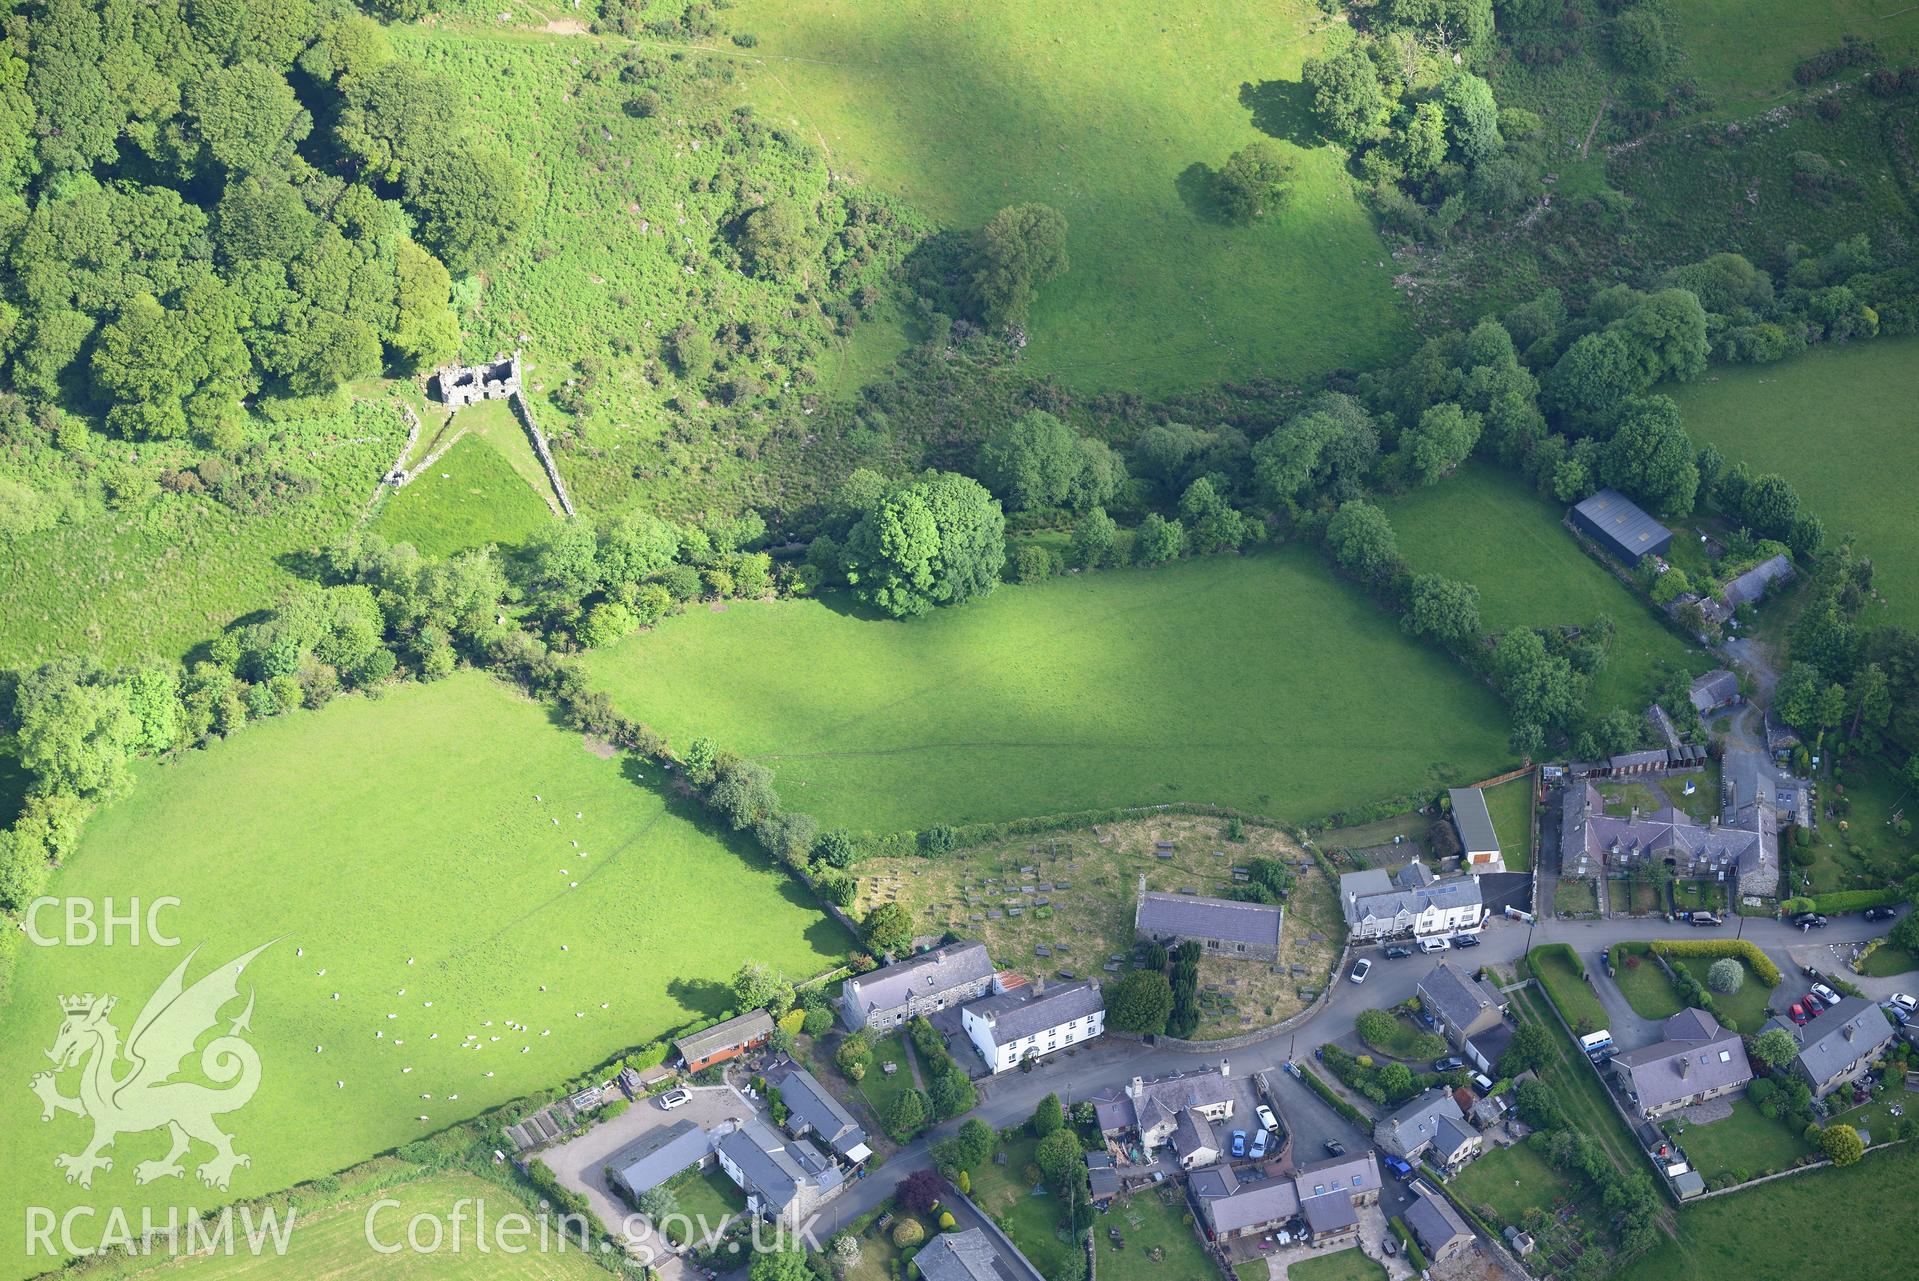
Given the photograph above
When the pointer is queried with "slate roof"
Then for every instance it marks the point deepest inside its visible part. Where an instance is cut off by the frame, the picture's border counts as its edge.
(811, 1106)
(1164, 1098)
(1196, 916)
(754, 1025)
(1434, 1221)
(1715, 689)
(1434, 1117)
(939, 970)
(1114, 1111)
(1473, 819)
(1373, 895)
(1745, 847)
(1100, 1174)
(1317, 1190)
(1020, 1013)
(1825, 1048)
(1491, 1044)
(1749, 586)
(1623, 524)
(1193, 1134)
(963, 1256)
(774, 1168)
(1696, 1055)
(661, 1155)
(1456, 995)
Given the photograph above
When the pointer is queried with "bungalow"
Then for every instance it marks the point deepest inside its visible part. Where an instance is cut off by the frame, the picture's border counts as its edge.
(1431, 1124)
(1029, 1021)
(723, 1041)
(1841, 1046)
(923, 984)
(1442, 1234)
(811, 1109)
(1477, 840)
(972, 1255)
(1224, 926)
(1410, 901)
(659, 1156)
(1695, 1060)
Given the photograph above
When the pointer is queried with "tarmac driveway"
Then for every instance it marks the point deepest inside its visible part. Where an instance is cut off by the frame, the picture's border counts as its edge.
(581, 1163)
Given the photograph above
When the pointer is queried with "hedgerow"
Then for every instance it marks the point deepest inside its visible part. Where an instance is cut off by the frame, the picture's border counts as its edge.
(1760, 963)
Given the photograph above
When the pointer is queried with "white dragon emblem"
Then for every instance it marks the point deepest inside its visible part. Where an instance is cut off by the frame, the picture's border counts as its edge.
(142, 1095)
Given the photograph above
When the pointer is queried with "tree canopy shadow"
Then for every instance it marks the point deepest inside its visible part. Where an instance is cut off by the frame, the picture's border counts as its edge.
(1197, 185)
(704, 996)
(1282, 109)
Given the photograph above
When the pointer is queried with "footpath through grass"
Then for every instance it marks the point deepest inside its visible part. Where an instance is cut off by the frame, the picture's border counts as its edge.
(416, 856)
(1256, 682)
(1487, 527)
(1102, 109)
(1856, 473)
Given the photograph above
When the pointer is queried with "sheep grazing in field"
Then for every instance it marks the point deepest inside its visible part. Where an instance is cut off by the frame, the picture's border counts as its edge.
(299, 951)
(432, 1036)
(409, 960)
(604, 1004)
(542, 987)
(563, 947)
(318, 1048)
(427, 1004)
(452, 1098)
(378, 1035)
(320, 974)
(401, 992)
(577, 814)
(336, 996)
(489, 1074)
(339, 1085)
(423, 1116)
(405, 1070)
(392, 1016)
(398, 1043)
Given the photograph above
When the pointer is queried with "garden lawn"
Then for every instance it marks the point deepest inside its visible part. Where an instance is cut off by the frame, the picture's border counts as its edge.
(1507, 1182)
(880, 1089)
(1887, 961)
(1746, 1007)
(1745, 1145)
(1645, 986)
(1342, 1265)
(332, 1243)
(707, 1198)
(1486, 527)
(1857, 479)
(1006, 1194)
(1577, 1087)
(1554, 965)
(470, 496)
(1251, 681)
(1145, 1221)
(393, 851)
(1511, 805)
(1755, 1234)
(1103, 110)
(1409, 1042)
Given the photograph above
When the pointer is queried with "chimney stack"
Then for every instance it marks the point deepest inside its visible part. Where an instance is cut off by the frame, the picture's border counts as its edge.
(1849, 1029)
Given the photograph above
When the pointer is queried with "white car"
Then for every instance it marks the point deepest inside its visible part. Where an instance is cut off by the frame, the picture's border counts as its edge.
(1361, 968)
(1825, 994)
(675, 1098)
(1267, 1119)
(1905, 1002)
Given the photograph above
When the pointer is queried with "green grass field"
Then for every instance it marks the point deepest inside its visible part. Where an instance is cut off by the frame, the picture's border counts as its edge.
(1257, 682)
(1005, 1192)
(1486, 527)
(1554, 966)
(1577, 1087)
(1644, 985)
(1749, 1235)
(1509, 1181)
(1511, 805)
(332, 1243)
(471, 496)
(1855, 476)
(1101, 110)
(1744, 1010)
(372, 834)
(1743, 51)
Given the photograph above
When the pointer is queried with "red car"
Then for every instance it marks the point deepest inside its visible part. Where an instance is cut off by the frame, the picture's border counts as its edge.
(1813, 1008)
(1798, 1014)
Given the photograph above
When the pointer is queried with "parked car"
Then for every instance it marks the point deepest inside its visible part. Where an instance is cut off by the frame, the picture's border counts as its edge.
(675, 1098)
(1451, 1063)
(1897, 1014)
(1797, 1014)
(1814, 1006)
(1482, 1083)
(1880, 913)
(1361, 968)
(1825, 994)
(1465, 940)
(1294, 1069)
(1810, 921)
(1399, 1167)
(1334, 1147)
(1266, 1117)
(1259, 1144)
(1398, 953)
(1239, 1143)
(1905, 1003)
(1432, 945)
(1703, 919)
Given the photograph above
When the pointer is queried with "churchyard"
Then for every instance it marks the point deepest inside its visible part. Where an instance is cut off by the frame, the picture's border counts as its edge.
(1062, 903)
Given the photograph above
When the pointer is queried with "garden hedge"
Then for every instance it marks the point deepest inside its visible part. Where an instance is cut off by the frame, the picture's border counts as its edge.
(1855, 900)
(1334, 1100)
(1761, 964)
